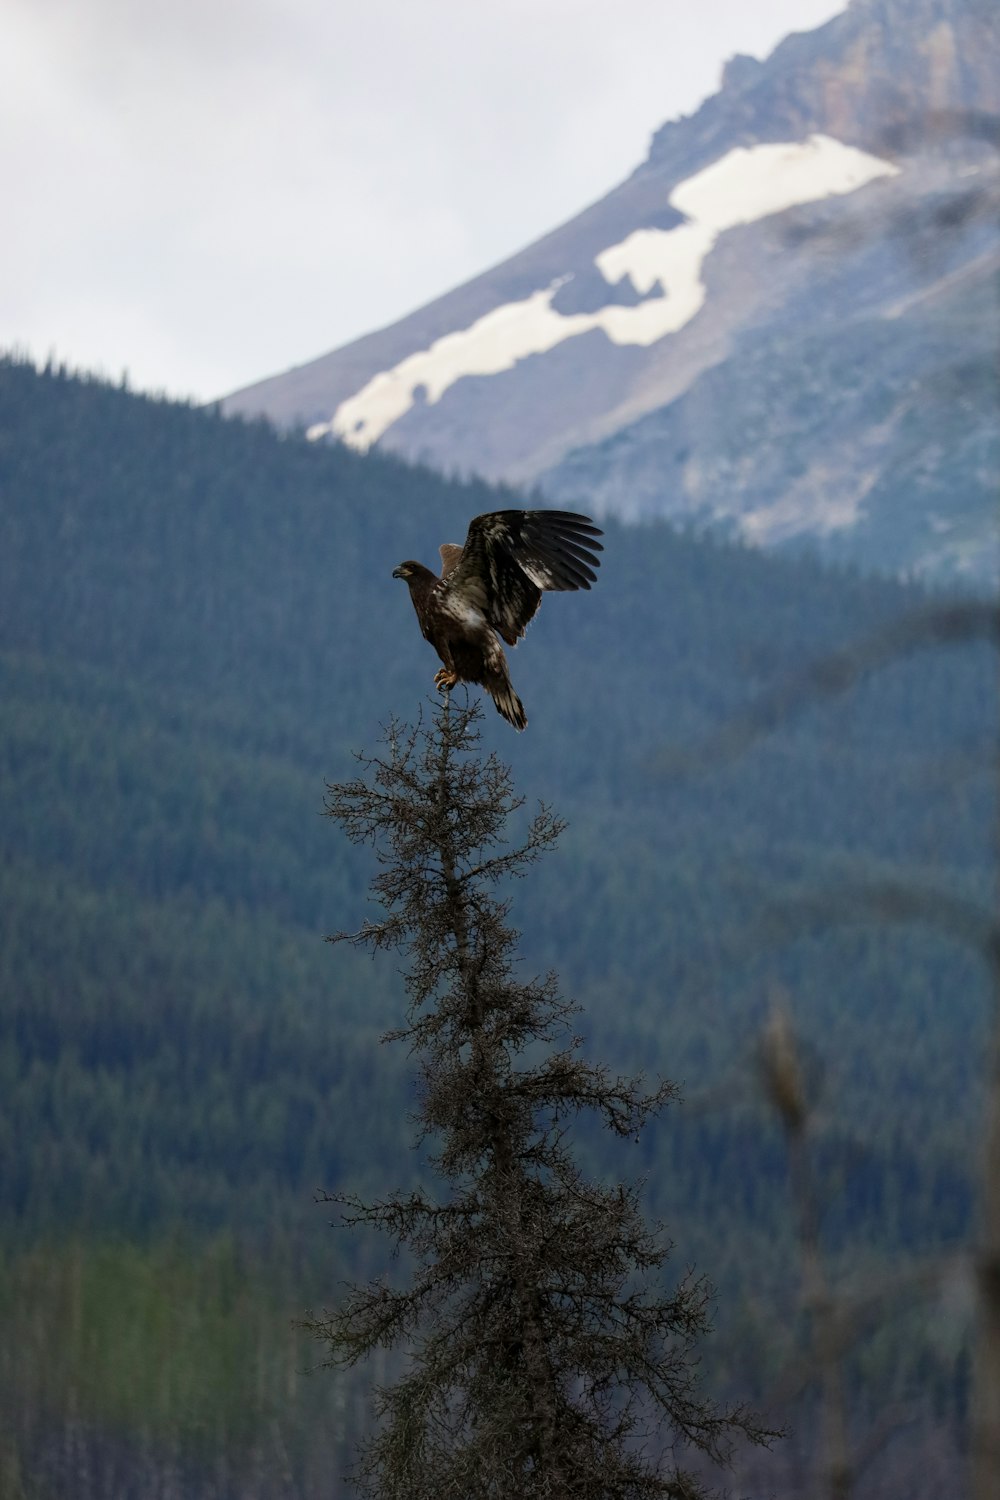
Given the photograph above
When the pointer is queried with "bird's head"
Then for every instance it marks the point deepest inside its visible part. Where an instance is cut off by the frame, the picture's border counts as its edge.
(407, 570)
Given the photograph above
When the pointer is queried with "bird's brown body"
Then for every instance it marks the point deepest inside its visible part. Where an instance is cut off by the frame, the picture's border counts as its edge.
(492, 587)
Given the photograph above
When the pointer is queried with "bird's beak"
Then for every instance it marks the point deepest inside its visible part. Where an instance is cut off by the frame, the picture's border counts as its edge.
(398, 573)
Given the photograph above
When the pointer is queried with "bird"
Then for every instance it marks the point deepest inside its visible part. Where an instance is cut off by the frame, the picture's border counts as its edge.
(492, 586)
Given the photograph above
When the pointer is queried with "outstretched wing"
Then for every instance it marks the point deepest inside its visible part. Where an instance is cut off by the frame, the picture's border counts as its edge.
(451, 553)
(510, 556)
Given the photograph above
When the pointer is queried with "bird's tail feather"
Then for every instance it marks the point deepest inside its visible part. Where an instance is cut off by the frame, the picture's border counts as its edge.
(508, 703)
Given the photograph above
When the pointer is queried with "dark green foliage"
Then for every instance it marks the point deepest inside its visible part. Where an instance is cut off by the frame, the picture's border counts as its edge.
(545, 1355)
(197, 625)
(121, 1363)
(167, 725)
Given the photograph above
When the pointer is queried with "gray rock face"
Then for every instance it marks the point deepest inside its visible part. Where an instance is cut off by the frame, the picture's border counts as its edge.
(834, 384)
(861, 416)
(882, 74)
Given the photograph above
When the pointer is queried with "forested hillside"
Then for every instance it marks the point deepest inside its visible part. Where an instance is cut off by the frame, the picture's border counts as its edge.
(197, 627)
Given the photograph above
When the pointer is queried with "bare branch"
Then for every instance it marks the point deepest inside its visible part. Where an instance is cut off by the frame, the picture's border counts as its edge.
(833, 675)
(543, 1358)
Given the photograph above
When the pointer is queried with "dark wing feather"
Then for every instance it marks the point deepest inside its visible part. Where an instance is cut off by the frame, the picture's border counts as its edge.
(510, 556)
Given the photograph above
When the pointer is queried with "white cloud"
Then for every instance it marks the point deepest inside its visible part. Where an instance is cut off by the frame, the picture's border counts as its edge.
(209, 191)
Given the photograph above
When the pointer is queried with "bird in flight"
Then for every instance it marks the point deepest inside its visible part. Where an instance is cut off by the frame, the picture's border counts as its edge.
(492, 586)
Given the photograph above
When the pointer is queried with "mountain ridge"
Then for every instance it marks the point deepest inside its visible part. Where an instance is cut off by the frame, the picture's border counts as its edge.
(524, 372)
(198, 629)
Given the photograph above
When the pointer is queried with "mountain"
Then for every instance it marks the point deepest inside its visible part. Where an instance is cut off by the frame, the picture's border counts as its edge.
(198, 627)
(784, 322)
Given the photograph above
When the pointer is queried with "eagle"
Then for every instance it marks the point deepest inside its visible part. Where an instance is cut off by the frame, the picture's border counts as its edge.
(492, 586)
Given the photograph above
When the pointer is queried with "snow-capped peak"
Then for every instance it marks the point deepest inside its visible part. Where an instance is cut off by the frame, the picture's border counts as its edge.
(744, 185)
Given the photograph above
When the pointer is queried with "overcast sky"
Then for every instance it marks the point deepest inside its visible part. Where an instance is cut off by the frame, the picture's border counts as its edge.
(205, 192)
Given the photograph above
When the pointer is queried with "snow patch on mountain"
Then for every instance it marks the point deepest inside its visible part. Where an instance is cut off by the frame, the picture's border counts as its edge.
(747, 184)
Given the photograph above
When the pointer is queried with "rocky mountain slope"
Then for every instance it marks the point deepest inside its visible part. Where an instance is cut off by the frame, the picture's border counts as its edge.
(784, 321)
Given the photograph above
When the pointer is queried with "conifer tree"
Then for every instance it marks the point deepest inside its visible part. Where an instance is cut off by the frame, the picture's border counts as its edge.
(542, 1353)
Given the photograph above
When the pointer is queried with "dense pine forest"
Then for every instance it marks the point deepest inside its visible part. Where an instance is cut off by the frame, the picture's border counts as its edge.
(198, 628)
